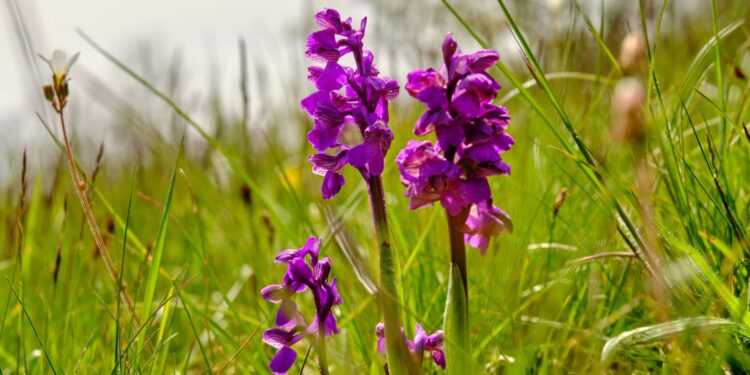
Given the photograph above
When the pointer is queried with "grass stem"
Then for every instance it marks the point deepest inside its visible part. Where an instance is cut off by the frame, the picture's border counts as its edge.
(80, 190)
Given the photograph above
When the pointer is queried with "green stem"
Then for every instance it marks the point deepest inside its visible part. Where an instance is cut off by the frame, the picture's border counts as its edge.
(399, 360)
(458, 248)
(456, 321)
(322, 352)
(98, 239)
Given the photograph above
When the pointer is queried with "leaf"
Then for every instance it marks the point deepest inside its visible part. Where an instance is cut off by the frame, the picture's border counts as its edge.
(648, 334)
(456, 326)
(153, 271)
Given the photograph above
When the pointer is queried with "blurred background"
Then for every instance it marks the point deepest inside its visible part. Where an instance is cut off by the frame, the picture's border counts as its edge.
(191, 49)
(543, 299)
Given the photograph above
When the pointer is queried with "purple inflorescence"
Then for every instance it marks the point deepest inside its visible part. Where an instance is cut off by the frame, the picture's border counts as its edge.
(304, 272)
(346, 95)
(422, 343)
(471, 136)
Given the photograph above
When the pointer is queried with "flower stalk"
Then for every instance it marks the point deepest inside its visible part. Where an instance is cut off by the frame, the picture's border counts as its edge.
(355, 99)
(456, 319)
(305, 272)
(458, 247)
(471, 137)
(399, 361)
(57, 94)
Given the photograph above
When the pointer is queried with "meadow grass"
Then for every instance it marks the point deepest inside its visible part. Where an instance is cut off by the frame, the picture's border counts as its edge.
(614, 278)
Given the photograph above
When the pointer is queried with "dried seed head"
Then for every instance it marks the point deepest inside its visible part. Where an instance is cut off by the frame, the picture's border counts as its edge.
(559, 201)
(633, 53)
(628, 112)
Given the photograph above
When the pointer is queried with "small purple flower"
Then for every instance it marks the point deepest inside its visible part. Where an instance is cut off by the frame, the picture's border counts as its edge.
(471, 136)
(304, 272)
(346, 95)
(484, 222)
(422, 343)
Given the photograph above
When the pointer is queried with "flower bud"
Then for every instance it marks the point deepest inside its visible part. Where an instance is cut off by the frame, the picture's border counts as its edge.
(49, 92)
(321, 270)
(63, 89)
(632, 53)
(559, 201)
(628, 112)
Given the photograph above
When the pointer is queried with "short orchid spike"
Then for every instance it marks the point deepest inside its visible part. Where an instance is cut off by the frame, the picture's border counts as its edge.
(305, 272)
(422, 343)
(471, 137)
(346, 98)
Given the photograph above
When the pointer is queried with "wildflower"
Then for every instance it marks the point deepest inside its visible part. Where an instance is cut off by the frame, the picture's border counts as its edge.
(57, 92)
(304, 272)
(628, 111)
(471, 137)
(484, 222)
(632, 57)
(346, 96)
(422, 343)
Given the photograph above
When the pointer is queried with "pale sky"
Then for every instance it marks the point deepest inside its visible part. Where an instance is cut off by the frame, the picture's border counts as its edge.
(205, 32)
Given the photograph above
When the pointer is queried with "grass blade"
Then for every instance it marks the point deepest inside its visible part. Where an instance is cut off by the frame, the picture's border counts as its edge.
(652, 333)
(153, 272)
(33, 327)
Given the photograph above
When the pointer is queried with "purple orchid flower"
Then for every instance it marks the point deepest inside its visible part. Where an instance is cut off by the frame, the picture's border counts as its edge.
(304, 272)
(422, 343)
(346, 96)
(471, 137)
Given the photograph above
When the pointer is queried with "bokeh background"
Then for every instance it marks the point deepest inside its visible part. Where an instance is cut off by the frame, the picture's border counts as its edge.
(544, 299)
(191, 48)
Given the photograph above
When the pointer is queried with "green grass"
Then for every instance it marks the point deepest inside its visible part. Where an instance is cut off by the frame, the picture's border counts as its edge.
(562, 293)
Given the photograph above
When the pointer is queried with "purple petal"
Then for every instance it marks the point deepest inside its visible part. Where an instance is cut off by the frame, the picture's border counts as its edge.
(472, 91)
(450, 47)
(484, 222)
(381, 345)
(285, 256)
(390, 89)
(312, 247)
(322, 46)
(326, 114)
(283, 360)
(275, 293)
(449, 136)
(330, 19)
(323, 163)
(429, 121)
(323, 138)
(299, 270)
(463, 193)
(310, 103)
(335, 293)
(379, 135)
(438, 356)
(279, 338)
(481, 60)
(329, 325)
(332, 183)
(285, 317)
(321, 270)
(331, 78)
(380, 330)
(359, 155)
(420, 339)
(376, 163)
(427, 86)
